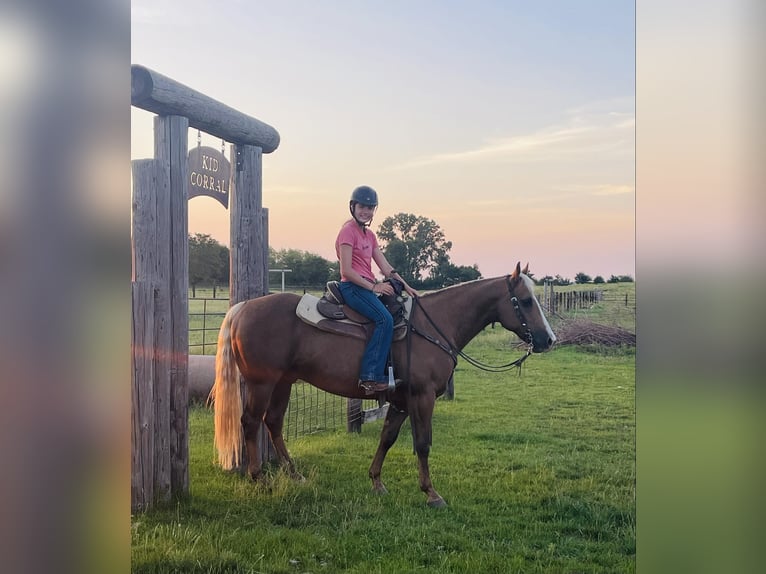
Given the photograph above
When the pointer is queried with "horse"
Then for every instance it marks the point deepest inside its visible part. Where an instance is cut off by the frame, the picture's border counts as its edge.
(263, 340)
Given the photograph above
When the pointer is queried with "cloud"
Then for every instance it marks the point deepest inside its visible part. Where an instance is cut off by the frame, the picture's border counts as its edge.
(597, 128)
(600, 189)
(609, 189)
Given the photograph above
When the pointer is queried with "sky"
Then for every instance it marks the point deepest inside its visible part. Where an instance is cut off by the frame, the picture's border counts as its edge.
(511, 124)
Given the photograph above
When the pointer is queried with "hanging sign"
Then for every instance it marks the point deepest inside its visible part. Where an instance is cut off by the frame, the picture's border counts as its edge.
(209, 173)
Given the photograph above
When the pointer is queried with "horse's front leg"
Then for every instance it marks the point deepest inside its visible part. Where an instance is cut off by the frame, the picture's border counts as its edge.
(393, 423)
(421, 412)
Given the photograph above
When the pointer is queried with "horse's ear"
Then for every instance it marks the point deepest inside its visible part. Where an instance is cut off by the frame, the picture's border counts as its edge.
(525, 271)
(517, 271)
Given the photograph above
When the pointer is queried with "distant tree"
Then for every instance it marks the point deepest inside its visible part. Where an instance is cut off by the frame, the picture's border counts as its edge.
(582, 278)
(562, 281)
(397, 254)
(620, 279)
(306, 268)
(598, 279)
(272, 258)
(316, 269)
(414, 245)
(445, 273)
(208, 262)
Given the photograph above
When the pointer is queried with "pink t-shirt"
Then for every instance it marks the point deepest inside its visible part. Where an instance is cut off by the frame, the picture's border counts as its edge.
(362, 246)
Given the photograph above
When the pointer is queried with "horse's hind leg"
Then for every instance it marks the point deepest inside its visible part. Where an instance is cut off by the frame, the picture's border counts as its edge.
(275, 418)
(258, 397)
(388, 436)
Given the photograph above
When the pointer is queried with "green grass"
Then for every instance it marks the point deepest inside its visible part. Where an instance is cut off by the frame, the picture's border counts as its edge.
(538, 471)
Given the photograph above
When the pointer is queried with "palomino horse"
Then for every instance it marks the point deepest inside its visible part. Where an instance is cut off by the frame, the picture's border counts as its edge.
(271, 347)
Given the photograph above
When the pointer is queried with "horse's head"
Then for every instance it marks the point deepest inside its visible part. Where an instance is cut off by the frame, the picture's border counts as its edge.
(520, 312)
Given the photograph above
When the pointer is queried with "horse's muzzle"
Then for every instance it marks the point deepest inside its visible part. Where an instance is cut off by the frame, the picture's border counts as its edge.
(543, 343)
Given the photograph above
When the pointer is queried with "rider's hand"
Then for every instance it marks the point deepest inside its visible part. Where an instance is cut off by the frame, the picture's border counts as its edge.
(383, 288)
(411, 292)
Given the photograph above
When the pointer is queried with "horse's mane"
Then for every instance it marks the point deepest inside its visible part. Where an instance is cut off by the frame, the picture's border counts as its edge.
(456, 286)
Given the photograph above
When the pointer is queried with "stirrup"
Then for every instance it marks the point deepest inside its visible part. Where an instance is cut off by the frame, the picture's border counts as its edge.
(372, 388)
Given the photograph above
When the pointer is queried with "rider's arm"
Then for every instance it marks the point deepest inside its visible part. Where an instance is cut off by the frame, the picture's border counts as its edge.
(388, 270)
(347, 271)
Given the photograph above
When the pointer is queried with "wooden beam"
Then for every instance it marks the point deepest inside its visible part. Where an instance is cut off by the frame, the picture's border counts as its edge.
(156, 93)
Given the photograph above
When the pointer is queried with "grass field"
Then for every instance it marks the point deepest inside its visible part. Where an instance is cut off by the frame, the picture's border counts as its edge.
(538, 471)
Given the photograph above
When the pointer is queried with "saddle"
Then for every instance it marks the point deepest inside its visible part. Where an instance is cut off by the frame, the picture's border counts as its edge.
(330, 313)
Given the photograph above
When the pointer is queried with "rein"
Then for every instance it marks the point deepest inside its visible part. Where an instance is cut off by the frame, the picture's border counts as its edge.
(445, 346)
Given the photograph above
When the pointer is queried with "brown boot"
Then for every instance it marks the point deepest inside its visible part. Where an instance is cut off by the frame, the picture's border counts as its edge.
(373, 387)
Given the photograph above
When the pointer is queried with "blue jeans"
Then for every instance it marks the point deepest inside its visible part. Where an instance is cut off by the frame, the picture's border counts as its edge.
(367, 303)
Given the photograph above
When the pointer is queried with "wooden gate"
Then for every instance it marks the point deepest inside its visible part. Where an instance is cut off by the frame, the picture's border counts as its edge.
(160, 278)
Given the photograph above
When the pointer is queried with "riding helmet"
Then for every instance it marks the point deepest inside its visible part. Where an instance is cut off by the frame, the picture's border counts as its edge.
(365, 195)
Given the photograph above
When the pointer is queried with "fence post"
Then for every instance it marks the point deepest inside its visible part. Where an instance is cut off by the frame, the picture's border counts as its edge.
(354, 415)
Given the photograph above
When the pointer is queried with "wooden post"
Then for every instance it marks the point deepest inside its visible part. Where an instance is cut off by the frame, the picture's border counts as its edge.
(265, 235)
(162, 333)
(354, 415)
(142, 395)
(171, 147)
(160, 259)
(150, 318)
(248, 273)
(247, 241)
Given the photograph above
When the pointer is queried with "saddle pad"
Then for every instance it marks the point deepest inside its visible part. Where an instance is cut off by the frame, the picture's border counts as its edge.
(307, 309)
(308, 312)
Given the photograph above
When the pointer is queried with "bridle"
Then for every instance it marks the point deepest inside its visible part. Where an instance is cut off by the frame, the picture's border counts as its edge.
(448, 348)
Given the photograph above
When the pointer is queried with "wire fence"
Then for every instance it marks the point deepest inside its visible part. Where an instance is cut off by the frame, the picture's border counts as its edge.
(312, 410)
(612, 304)
(205, 317)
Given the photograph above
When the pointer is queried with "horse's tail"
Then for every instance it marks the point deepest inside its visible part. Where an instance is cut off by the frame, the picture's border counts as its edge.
(226, 398)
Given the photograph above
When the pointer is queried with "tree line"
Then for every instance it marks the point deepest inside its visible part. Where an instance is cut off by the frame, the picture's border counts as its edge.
(416, 246)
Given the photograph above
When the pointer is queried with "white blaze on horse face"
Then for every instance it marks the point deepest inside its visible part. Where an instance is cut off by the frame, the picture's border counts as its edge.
(531, 286)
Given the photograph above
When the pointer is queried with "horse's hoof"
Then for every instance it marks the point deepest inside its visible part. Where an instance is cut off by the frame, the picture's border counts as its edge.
(379, 489)
(437, 503)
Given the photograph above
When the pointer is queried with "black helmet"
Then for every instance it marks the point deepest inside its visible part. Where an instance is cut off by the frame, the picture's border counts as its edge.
(365, 195)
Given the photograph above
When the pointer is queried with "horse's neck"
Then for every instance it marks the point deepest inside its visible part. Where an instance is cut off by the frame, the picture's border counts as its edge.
(461, 312)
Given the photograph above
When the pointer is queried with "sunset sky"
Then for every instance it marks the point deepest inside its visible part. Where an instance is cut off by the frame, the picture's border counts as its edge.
(511, 124)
